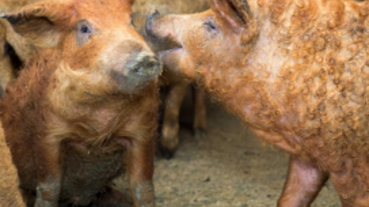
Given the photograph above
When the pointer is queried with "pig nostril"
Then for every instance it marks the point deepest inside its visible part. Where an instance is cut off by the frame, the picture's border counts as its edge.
(137, 70)
(151, 65)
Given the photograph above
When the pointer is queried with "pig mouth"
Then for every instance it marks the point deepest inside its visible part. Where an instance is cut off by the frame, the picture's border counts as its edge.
(170, 55)
(173, 45)
(175, 49)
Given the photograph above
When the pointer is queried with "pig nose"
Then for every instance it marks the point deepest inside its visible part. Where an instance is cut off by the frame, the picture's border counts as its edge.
(145, 66)
(149, 21)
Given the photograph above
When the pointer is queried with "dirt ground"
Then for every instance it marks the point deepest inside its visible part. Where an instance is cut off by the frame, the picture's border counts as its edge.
(229, 167)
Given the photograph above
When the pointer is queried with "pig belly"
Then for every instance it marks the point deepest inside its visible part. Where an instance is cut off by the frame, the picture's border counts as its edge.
(85, 176)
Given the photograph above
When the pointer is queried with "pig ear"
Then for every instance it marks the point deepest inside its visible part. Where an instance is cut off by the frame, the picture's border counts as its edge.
(22, 47)
(41, 24)
(235, 12)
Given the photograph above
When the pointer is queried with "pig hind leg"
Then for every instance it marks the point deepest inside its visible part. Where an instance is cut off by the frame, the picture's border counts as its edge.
(199, 124)
(169, 133)
(303, 184)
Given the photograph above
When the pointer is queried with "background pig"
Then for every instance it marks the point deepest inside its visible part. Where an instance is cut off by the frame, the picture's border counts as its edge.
(177, 84)
(84, 108)
(296, 73)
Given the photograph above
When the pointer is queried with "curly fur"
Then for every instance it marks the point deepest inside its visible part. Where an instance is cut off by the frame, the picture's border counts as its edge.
(297, 75)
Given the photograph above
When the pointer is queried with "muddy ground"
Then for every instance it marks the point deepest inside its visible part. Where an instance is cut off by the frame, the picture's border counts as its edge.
(229, 167)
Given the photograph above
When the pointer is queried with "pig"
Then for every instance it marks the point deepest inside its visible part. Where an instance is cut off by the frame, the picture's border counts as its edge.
(175, 83)
(10, 194)
(84, 108)
(296, 72)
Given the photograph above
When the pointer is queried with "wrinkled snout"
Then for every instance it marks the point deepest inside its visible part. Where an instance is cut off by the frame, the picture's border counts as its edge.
(144, 65)
(150, 20)
(160, 31)
(164, 29)
(140, 68)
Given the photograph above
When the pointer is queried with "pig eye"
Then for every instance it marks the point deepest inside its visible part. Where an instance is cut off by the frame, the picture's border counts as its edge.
(84, 31)
(210, 25)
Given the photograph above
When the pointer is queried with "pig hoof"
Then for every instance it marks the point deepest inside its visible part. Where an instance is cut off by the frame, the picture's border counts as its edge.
(199, 133)
(166, 153)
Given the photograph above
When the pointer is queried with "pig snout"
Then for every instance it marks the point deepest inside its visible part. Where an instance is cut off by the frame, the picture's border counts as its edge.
(151, 17)
(140, 68)
(146, 66)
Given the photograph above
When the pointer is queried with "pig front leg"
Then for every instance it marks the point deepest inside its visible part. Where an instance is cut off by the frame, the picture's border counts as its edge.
(49, 174)
(169, 131)
(141, 169)
(303, 184)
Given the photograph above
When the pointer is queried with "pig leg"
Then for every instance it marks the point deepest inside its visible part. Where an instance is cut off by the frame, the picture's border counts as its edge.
(199, 124)
(169, 132)
(49, 175)
(141, 169)
(351, 187)
(303, 184)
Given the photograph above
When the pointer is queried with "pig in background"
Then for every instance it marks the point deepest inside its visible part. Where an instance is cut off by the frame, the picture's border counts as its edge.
(175, 83)
(296, 72)
(84, 107)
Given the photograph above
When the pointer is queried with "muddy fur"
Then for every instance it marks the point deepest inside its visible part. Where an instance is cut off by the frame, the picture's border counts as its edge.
(72, 127)
(296, 73)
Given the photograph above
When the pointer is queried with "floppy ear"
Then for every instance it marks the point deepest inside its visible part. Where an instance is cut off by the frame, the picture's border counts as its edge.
(235, 12)
(42, 23)
(22, 47)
